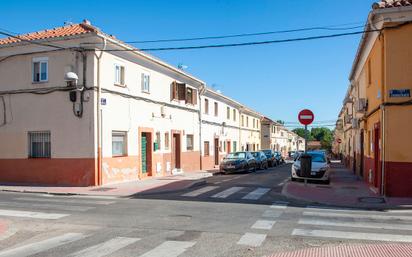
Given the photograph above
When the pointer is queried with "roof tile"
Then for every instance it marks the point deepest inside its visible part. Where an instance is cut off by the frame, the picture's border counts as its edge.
(69, 30)
(391, 3)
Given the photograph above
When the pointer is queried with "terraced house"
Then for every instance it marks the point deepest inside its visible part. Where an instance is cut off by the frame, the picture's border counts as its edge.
(377, 110)
(83, 108)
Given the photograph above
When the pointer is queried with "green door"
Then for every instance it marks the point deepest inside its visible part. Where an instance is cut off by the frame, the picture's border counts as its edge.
(144, 153)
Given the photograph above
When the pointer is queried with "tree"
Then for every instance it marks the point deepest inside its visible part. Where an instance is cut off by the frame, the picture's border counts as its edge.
(280, 122)
(301, 132)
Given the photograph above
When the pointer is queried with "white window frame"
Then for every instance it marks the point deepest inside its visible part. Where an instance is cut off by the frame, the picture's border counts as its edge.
(40, 61)
(119, 74)
(192, 146)
(120, 134)
(145, 82)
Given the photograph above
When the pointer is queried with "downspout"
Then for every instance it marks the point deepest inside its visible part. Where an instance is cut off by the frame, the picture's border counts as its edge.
(201, 92)
(383, 94)
(99, 118)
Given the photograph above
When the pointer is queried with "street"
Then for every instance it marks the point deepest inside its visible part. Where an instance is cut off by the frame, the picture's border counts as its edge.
(231, 215)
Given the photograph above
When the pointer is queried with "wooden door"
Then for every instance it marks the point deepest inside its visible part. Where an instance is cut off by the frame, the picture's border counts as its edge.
(176, 151)
(216, 152)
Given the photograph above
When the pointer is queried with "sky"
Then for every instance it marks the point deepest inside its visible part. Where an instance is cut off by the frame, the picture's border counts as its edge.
(277, 80)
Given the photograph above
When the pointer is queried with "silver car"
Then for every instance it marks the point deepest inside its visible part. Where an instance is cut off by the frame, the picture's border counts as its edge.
(320, 168)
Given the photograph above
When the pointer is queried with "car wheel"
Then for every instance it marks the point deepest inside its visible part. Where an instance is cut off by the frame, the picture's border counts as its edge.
(292, 179)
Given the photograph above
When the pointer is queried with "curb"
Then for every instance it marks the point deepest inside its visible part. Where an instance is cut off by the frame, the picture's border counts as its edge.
(365, 207)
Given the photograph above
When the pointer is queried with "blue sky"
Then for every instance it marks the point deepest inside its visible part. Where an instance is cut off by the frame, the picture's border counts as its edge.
(277, 80)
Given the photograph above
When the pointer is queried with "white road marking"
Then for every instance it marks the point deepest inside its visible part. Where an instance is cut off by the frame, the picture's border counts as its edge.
(256, 194)
(103, 197)
(169, 249)
(354, 215)
(279, 205)
(352, 235)
(47, 206)
(105, 248)
(252, 239)
(63, 201)
(333, 209)
(227, 192)
(34, 215)
(399, 211)
(264, 224)
(271, 214)
(354, 224)
(200, 191)
(38, 247)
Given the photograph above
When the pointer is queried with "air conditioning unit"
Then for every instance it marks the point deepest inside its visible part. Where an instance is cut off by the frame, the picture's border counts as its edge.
(361, 105)
(355, 123)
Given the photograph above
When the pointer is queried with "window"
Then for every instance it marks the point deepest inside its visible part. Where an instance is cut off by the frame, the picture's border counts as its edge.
(157, 142)
(247, 121)
(145, 83)
(234, 146)
(206, 148)
(242, 120)
(234, 114)
(216, 109)
(40, 69)
(189, 142)
(206, 106)
(119, 74)
(180, 92)
(39, 144)
(228, 113)
(253, 123)
(167, 141)
(189, 95)
(119, 143)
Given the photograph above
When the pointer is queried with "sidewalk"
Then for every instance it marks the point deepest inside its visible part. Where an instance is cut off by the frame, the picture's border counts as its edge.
(345, 190)
(146, 186)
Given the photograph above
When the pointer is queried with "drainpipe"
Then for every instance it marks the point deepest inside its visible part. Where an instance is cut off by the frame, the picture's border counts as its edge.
(99, 117)
(202, 90)
(383, 151)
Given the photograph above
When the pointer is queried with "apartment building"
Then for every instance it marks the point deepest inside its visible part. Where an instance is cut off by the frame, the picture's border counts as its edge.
(127, 117)
(220, 131)
(250, 125)
(378, 104)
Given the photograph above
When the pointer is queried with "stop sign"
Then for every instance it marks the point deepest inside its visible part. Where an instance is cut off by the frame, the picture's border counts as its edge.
(306, 117)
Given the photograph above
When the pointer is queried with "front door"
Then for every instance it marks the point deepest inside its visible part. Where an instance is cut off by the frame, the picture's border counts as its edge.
(216, 145)
(228, 148)
(145, 152)
(376, 151)
(362, 152)
(176, 151)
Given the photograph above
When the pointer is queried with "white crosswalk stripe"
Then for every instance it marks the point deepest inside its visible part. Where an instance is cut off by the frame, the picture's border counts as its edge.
(105, 248)
(38, 247)
(263, 224)
(272, 213)
(200, 191)
(256, 194)
(47, 206)
(169, 249)
(354, 215)
(252, 239)
(226, 193)
(30, 214)
(279, 205)
(64, 201)
(352, 235)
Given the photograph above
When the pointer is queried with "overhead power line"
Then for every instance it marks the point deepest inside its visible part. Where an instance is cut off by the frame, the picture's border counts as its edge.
(330, 28)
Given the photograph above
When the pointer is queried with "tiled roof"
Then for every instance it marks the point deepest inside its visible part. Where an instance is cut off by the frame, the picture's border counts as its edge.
(391, 3)
(69, 30)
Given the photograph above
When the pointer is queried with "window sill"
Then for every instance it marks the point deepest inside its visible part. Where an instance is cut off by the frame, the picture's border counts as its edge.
(117, 156)
(39, 158)
(145, 92)
(40, 82)
(120, 85)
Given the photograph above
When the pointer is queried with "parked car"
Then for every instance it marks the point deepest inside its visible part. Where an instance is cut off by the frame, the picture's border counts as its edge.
(238, 162)
(261, 160)
(320, 168)
(271, 156)
(279, 158)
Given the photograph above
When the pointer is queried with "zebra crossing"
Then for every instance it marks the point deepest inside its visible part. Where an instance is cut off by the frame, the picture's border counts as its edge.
(106, 247)
(216, 192)
(335, 223)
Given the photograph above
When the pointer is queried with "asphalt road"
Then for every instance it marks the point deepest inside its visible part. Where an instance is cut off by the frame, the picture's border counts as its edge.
(231, 215)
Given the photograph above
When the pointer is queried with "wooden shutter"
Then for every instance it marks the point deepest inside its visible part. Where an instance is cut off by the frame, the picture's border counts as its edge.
(194, 95)
(181, 91)
(173, 91)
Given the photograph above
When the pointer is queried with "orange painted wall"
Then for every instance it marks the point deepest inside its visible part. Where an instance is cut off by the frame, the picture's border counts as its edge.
(119, 169)
(190, 161)
(63, 172)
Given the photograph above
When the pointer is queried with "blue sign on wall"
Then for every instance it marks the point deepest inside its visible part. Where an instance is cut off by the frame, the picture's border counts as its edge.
(103, 101)
(400, 93)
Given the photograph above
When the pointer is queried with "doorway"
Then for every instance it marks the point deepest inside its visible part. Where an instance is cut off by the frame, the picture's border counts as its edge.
(145, 153)
(176, 151)
(362, 152)
(228, 146)
(376, 152)
(216, 146)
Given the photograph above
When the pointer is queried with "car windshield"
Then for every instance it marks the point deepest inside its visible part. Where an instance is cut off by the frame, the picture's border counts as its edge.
(236, 156)
(255, 154)
(317, 157)
(267, 152)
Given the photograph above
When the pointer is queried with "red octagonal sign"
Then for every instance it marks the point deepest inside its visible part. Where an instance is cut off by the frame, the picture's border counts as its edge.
(306, 117)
